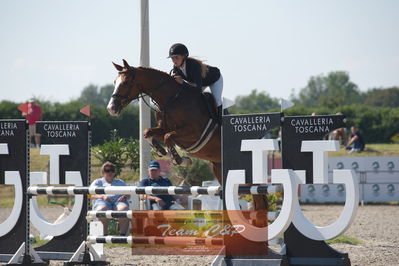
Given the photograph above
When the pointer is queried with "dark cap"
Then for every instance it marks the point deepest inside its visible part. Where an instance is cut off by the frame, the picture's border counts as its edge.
(154, 165)
(178, 49)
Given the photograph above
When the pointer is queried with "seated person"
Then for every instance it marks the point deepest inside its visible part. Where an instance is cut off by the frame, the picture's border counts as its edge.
(338, 134)
(356, 142)
(110, 202)
(157, 202)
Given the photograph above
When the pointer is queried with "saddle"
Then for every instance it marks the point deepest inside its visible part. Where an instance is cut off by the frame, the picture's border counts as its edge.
(210, 104)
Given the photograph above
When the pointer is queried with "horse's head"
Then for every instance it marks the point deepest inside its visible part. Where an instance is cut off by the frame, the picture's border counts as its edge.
(126, 88)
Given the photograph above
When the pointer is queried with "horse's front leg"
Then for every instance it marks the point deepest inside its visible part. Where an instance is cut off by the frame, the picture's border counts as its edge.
(176, 158)
(153, 131)
(154, 136)
(159, 130)
(170, 143)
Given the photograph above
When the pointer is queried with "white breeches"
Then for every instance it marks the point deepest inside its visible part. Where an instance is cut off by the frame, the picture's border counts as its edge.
(217, 89)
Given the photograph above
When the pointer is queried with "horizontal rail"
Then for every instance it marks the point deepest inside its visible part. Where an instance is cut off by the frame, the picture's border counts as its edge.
(91, 215)
(155, 240)
(171, 190)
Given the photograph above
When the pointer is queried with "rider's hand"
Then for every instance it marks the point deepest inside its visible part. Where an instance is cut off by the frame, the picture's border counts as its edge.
(106, 198)
(122, 198)
(160, 202)
(178, 79)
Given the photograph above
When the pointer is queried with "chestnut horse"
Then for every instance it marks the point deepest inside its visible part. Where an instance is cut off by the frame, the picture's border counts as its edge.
(182, 117)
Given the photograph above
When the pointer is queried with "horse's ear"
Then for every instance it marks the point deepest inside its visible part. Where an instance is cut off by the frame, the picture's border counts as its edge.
(118, 67)
(125, 64)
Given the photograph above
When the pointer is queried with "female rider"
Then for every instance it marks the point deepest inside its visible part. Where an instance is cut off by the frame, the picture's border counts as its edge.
(194, 73)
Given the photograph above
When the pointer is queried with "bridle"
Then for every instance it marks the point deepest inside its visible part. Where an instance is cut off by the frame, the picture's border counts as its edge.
(125, 100)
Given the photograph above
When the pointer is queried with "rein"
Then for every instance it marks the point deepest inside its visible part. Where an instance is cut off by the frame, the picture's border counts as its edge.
(126, 99)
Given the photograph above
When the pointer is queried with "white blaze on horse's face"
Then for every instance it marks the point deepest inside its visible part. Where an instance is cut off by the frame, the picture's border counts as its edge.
(111, 107)
(118, 82)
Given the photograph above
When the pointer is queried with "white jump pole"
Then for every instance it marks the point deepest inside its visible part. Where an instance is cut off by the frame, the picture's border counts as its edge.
(145, 116)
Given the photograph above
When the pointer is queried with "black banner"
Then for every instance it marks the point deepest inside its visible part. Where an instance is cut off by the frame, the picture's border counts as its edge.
(239, 127)
(235, 129)
(295, 129)
(13, 138)
(77, 136)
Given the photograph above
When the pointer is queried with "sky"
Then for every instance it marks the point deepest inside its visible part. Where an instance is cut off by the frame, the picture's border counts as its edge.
(52, 49)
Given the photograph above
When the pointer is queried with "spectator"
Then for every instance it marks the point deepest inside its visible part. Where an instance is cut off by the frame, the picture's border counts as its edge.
(356, 142)
(110, 202)
(33, 114)
(159, 202)
(338, 134)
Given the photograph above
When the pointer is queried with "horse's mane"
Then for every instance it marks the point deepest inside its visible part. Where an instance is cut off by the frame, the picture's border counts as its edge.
(163, 73)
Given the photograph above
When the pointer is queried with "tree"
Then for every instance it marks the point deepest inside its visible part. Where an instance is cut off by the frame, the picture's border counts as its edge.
(332, 91)
(105, 94)
(93, 95)
(194, 174)
(9, 110)
(383, 97)
(113, 150)
(255, 103)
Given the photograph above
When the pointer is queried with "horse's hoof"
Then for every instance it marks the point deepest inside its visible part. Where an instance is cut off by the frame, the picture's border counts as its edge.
(158, 148)
(177, 161)
(161, 153)
(147, 134)
(186, 161)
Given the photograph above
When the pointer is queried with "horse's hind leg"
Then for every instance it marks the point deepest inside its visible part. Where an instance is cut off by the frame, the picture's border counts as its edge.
(260, 201)
(217, 170)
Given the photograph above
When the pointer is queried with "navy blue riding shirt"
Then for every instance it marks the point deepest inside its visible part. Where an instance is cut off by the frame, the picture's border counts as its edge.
(160, 182)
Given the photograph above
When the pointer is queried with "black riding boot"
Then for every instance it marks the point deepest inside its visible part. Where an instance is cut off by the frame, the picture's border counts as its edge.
(225, 111)
(219, 114)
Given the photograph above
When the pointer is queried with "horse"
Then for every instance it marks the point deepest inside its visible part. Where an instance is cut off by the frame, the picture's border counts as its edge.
(182, 117)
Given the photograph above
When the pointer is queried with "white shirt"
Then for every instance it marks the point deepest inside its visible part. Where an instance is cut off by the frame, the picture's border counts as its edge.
(183, 68)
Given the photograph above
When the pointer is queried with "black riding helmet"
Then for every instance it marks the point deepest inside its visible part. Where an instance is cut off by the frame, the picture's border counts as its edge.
(178, 49)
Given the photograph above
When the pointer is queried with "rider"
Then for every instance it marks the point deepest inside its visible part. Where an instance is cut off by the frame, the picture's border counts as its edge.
(195, 74)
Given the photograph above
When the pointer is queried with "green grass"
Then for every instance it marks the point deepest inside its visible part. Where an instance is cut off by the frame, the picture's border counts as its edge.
(371, 150)
(41, 162)
(7, 195)
(39, 242)
(383, 149)
(345, 239)
(38, 162)
(109, 245)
